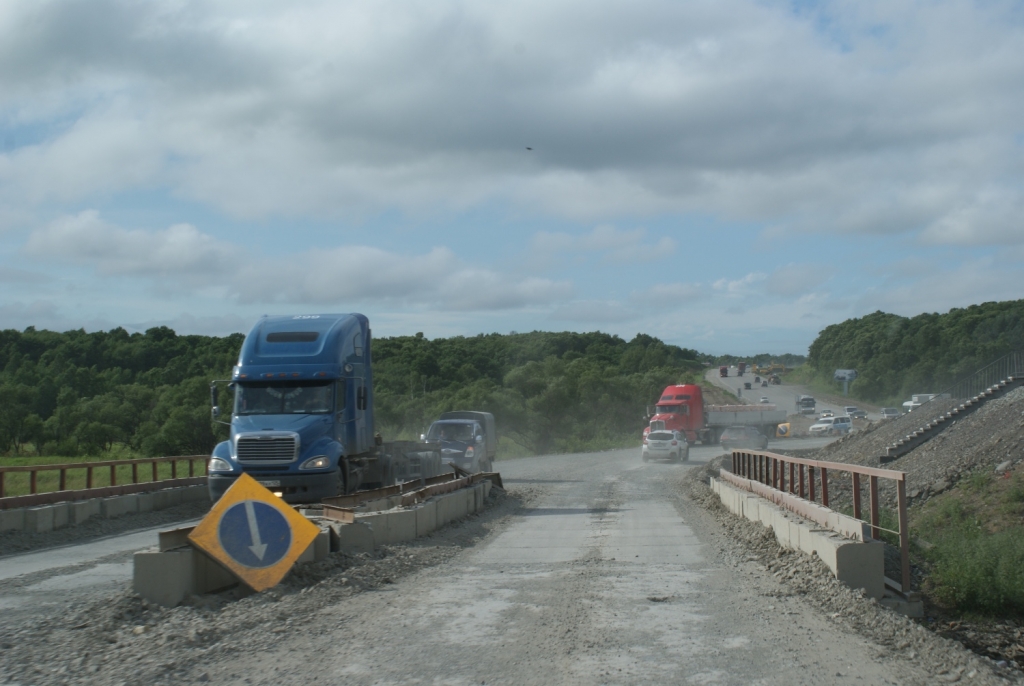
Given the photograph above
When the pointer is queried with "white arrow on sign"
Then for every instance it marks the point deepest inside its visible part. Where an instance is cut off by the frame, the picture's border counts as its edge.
(258, 547)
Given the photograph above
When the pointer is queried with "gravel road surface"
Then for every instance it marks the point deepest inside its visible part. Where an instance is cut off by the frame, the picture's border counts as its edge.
(598, 569)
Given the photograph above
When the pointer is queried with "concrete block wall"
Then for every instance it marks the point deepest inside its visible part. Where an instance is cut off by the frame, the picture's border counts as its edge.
(855, 561)
(46, 518)
(169, 577)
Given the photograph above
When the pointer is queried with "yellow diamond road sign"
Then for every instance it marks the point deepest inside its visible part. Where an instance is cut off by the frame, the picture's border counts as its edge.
(254, 533)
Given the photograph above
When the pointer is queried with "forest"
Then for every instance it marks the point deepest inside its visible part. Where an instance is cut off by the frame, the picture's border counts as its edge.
(78, 393)
(896, 356)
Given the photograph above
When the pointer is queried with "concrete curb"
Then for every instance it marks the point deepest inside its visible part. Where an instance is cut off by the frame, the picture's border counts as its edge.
(857, 563)
(168, 577)
(45, 518)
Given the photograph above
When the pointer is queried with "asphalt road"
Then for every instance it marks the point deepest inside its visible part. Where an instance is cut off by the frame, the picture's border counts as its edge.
(783, 396)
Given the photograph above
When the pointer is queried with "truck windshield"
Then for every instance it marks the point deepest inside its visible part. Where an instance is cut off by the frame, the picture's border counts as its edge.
(670, 409)
(451, 432)
(296, 397)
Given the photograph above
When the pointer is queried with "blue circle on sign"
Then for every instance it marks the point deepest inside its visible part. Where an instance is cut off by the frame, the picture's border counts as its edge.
(254, 534)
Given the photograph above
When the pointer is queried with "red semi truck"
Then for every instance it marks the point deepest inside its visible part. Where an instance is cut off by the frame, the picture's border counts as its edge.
(682, 408)
(742, 367)
(723, 371)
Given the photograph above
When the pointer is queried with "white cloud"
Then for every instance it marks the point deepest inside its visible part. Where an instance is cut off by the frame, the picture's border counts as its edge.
(181, 258)
(739, 286)
(180, 252)
(874, 118)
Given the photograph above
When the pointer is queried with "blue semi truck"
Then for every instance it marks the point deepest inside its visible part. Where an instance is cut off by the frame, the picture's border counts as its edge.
(302, 416)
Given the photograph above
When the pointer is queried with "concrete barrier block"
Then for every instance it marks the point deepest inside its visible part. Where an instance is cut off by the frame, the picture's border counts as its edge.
(443, 503)
(766, 513)
(82, 510)
(808, 540)
(164, 578)
(780, 525)
(166, 498)
(207, 574)
(352, 538)
(487, 488)
(378, 524)
(12, 520)
(61, 515)
(119, 505)
(426, 518)
(796, 529)
(752, 508)
(401, 526)
(862, 565)
(39, 520)
(146, 501)
(318, 549)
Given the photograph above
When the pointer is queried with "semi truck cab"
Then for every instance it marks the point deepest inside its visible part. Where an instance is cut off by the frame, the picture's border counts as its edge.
(302, 416)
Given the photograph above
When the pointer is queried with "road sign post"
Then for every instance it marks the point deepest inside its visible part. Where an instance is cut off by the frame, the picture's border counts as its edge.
(254, 534)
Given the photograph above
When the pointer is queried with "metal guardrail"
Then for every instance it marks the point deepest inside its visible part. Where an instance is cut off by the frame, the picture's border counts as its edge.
(1008, 366)
(771, 470)
(90, 468)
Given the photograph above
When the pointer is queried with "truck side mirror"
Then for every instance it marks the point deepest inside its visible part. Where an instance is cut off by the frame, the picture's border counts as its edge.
(214, 410)
(479, 438)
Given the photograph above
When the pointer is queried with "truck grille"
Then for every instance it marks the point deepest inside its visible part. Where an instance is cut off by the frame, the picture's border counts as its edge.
(267, 449)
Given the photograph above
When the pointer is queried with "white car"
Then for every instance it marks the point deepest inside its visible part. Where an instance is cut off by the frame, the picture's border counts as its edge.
(827, 413)
(831, 426)
(765, 400)
(666, 445)
(890, 413)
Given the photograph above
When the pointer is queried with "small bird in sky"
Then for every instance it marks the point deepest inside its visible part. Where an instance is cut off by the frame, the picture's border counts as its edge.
(529, 148)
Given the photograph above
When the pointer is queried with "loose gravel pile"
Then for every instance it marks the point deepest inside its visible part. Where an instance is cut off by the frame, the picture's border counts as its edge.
(806, 576)
(122, 639)
(991, 437)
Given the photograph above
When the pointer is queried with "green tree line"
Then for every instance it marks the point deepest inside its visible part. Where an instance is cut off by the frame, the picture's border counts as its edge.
(896, 356)
(78, 393)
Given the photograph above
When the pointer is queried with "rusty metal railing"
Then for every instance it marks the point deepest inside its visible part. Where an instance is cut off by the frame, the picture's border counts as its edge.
(91, 469)
(798, 477)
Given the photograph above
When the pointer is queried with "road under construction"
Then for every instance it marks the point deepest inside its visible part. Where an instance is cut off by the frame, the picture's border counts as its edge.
(586, 568)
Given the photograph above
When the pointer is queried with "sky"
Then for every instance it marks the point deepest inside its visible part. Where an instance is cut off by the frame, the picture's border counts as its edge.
(727, 175)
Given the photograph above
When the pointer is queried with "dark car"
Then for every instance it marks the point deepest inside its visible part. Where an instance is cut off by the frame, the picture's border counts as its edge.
(742, 437)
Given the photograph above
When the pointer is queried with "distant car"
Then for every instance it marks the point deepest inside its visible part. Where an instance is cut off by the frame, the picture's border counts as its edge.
(849, 410)
(764, 400)
(764, 384)
(827, 413)
(890, 413)
(858, 414)
(831, 426)
(746, 386)
(743, 437)
(666, 445)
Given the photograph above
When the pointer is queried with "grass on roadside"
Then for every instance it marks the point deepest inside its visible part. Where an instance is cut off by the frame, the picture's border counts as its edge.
(976, 556)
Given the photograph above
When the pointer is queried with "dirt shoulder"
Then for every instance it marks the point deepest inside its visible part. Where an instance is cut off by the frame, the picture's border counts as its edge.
(905, 639)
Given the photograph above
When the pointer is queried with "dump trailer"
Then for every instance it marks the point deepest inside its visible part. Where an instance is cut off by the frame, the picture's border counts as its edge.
(682, 408)
(302, 417)
(723, 370)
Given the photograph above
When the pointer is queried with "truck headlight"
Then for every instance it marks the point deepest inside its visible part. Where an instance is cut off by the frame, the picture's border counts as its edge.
(318, 462)
(218, 465)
